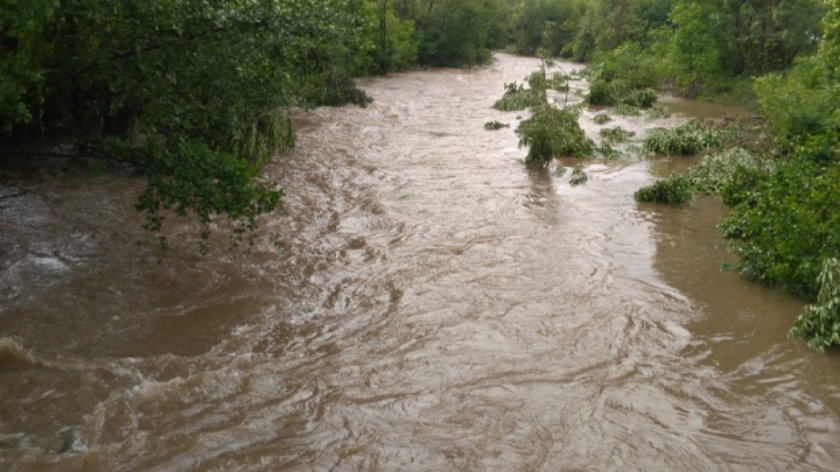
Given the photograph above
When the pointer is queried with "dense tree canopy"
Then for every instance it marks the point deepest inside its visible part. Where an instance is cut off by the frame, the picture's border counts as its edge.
(130, 81)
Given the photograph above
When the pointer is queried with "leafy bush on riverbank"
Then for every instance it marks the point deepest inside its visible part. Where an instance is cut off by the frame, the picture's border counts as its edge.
(625, 109)
(658, 113)
(675, 190)
(786, 224)
(819, 325)
(711, 176)
(625, 75)
(691, 138)
(643, 98)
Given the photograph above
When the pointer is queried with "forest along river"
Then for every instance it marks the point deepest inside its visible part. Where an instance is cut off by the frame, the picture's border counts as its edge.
(433, 307)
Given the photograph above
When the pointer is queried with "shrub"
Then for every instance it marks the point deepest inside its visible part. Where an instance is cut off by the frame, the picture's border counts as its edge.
(624, 109)
(800, 103)
(608, 152)
(602, 93)
(713, 173)
(675, 190)
(711, 176)
(495, 125)
(601, 118)
(690, 138)
(578, 177)
(553, 132)
(558, 82)
(517, 97)
(658, 113)
(820, 323)
(633, 64)
(616, 135)
(644, 98)
(787, 225)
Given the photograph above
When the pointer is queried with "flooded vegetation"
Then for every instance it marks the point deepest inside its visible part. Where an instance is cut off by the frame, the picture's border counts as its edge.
(425, 302)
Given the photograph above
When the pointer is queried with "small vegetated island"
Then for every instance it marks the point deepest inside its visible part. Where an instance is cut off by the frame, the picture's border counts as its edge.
(195, 95)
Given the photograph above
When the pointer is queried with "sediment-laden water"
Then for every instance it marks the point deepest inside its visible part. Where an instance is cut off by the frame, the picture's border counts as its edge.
(432, 306)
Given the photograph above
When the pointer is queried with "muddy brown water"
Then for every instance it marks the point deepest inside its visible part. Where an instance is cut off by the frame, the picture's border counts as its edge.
(433, 306)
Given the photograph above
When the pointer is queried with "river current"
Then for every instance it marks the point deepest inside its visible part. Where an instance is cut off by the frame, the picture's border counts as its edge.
(420, 302)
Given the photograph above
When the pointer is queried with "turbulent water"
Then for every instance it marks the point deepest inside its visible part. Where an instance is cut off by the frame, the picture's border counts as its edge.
(430, 305)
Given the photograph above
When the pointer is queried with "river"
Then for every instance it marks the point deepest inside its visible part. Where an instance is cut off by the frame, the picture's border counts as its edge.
(431, 305)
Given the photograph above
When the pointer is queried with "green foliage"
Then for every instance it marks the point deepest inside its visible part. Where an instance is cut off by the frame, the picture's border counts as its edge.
(550, 25)
(830, 47)
(608, 152)
(801, 102)
(675, 190)
(606, 24)
(644, 98)
(495, 125)
(22, 26)
(704, 48)
(690, 138)
(517, 97)
(631, 66)
(716, 172)
(658, 113)
(191, 92)
(625, 109)
(387, 40)
(551, 132)
(579, 177)
(749, 38)
(820, 323)
(625, 75)
(558, 82)
(787, 224)
(713, 175)
(602, 93)
(601, 118)
(457, 33)
(616, 135)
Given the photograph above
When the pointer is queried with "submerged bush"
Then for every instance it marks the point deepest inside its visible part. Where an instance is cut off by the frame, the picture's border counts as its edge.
(658, 113)
(578, 177)
(616, 135)
(608, 152)
(690, 138)
(820, 323)
(625, 109)
(495, 125)
(675, 190)
(601, 118)
(517, 97)
(552, 132)
(558, 82)
(713, 173)
(644, 98)
(711, 176)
